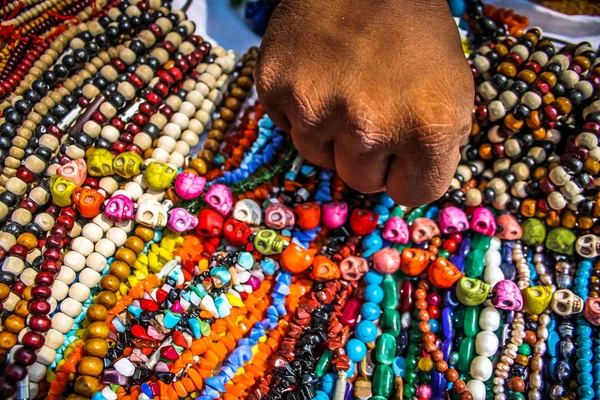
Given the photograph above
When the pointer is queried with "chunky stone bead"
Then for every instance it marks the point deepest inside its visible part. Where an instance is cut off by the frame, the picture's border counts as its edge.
(385, 349)
(383, 381)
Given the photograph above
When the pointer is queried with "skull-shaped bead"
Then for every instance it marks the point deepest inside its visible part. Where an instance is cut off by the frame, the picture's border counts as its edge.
(210, 223)
(396, 230)
(334, 214)
(180, 220)
(128, 164)
(75, 171)
(188, 186)
(247, 211)
(534, 232)
(309, 215)
(561, 241)
(565, 302)
(453, 219)
(88, 201)
(61, 190)
(386, 261)
(352, 268)
(592, 310)
(268, 243)
(483, 222)
(537, 299)
(423, 230)
(278, 216)
(324, 269)
(507, 296)
(472, 292)
(119, 207)
(588, 246)
(219, 198)
(100, 162)
(236, 233)
(414, 261)
(150, 212)
(443, 274)
(295, 258)
(363, 221)
(508, 228)
(159, 176)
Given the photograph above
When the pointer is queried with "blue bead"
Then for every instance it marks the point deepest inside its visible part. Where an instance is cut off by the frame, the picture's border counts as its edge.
(321, 396)
(328, 383)
(372, 243)
(356, 350)
(434, 325)
(398, 366)
(585, 378)
(584, 331)
(386, 200)
(268, 266)
(585, 392)
(374, 293)
(215, 382)
(351, 370)
(585, 342)
(584, 353)
(370, 311)
(583, 365)
(366, 331)
(195, 326)
(585, 264)
(553, 343)
(373, 278)
(384, 213)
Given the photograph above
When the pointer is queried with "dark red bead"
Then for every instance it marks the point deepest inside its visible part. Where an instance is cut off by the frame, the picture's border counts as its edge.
(91, 182)
(205, 48)
(147, 109)
(7, 388)
(576, 68)
(117, 123)
(26, 356)
(199, 56)
(126, 138)
(153, 98)
(41, 292)
(62, 160)
(99, 117)
(53, 210)
(546, 186)
(18, 288)
(15, 372)
(66, 222)
(551, 113)
(54, 242)
(592, 127)
(59, 231)
(55, 131)
(40, 323)
(176, 74)
(133, 129)
(541, 87)
(134, 148)
(119, 65)
(140, 119)
(165, 77)
(118, 146)
(50, 266)
(166, 111)
(29, 205)
(136, 81)
(161, 89)
(69, 212)
(52, 254)
(24, 174)
(39, 307)
(18, 251)
(191, 60)
(167, 45)
(156, 30)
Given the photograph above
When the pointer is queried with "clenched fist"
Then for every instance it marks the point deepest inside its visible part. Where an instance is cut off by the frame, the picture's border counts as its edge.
(378, 90)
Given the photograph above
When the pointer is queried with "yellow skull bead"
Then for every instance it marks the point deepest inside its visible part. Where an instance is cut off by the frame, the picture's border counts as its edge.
(128, 164)
(159, 176)
(62, 189)
(100, 162)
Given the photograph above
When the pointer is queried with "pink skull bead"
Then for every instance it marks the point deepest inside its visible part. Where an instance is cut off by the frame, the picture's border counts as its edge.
(119, 208)
(483, 222)
(279, 216)
(353, 268)
(219, 197)
(180, 220)
(423, 230)
(386, 261)
(334, 214)
(453, 219)
(508, 228)
(591, 311)
(396, 230)
(507, 296)
(75, 171)
(189, 186)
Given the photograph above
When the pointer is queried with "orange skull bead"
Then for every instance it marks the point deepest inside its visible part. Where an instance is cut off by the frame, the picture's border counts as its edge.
(324, 269)
(443, 274)
(414, 261)
(88, 201)
(309, 215)
(295, 258)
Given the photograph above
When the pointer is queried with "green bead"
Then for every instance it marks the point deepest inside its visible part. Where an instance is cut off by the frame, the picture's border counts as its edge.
(383, 380)
(385, 349)
(409, 392)
(516, 396)
(324, 364)
(414, 214)
(390, 292)
(480, 242)
(390, 322)
(398, 211)
(466, 353)
(471, 321)
(459, 317)
(474, 264)
(524, 349)
(379, 398)
(443, 254)
(410, 363)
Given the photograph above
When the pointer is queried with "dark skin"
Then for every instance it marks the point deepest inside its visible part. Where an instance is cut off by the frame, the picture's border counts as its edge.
(378, 90)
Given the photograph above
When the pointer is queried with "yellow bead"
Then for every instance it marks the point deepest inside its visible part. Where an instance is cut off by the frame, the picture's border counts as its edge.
(100, 162)
(128, 164)
(159, 176)
(62, 190)
(234, 301)
(425, 364)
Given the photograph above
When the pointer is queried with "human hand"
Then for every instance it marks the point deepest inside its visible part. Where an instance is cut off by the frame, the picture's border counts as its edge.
(378, 90)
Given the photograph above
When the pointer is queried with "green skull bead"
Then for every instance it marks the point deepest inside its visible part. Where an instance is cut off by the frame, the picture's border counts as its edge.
(128, 164)
(100, 162)
(537, 299)
(62, 189)
(561, 241)
(472, 292)
(534, 232)
(159, 176)
(268, 243)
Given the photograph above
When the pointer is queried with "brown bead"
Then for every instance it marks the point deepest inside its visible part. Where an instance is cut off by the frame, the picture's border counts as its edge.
(529, 36)
(27, 240)
(553, 219)
(233, 104)
(216, 135)
(4, 291)
(527, 75)
(451, 375)
(21, 309)
(247, 71)
(429, 347)
(568, 219)
(459, 386)
(522, 359)
(220, 124)
(207, 156)
(7, 340)
(549, 78)
(96, 312)
(540, 173)
(227, 115)
(110, 282)
(244, 82)
(485, 151)
(436, 241)
(91, 366)
(511, 123)
(14, 324)
(429, 337)
(212, 145)
(583, 62)
(528, 208)
(106, 298)
(26, 295)
(585, 222)
(135, 244)
(96, 347)
(466, 396)
(239, 93)
(99, 330)
(530, 337)
(437, 355)
(548, 98)
(199, 165)
(144, 233)
(126, 255)
(74, 396)
(120, 269)
(87, 385)
(507, 69)
(516, 384)
(534, 120)
(563, 105)
(501, 49)
(441, 366)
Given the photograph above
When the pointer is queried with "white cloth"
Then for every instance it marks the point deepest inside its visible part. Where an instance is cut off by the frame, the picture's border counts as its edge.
(227, 26)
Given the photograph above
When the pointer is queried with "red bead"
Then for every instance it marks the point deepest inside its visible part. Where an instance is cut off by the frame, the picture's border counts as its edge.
(50, 266)
(65, 221)
(117, 123)
(53, 210)
(133, 129)
(136, 81)
(592, 127)
(450, 245)
(55, 131)
(153, 98)
(69, 212)
(534, 66)
(515, 59)
(40, 323)
(25, 356)
(91, 182)
(147, 109)
(140, 119)
(434, 312)
(205, 48)
(54, 242)
(29, 205)
(210, 223)
(39, 307)
(363, 221)
(167, 45)
(18, 251)
(166, 111)
(161, 89)
(7, 388)
(118, 146)
(41, 292)
(99, 117)
(15, 372)
(456, 236)
(24, 174)
(52, 254)
(156, 30)
(541, 86)
(191, 61)
(176, 74)
(406, 299)
(434, 299)
(165, 77)
(59, 231)
(551, 113)
(119, 65)
(135, 148)
(18, 288)
(126, 137)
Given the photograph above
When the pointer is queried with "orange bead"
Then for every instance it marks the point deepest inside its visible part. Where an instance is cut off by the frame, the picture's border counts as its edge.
(295, 258)
(507, 69)
(511, 123)
(309, 215)
(528, 207)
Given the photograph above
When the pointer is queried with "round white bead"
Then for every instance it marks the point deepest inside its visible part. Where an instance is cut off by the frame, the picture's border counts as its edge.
(66, 275)
(89, 277)
(83, 245)
(28, 276)
(477, 389)
(59, 290)
(92, 232)
(96, 261)
(105, 247)
(486, 343)
(117, 236)
(75, 260)
(481, 368)
(71, 307)
(37, 372)
(489, 319)
(63, 323)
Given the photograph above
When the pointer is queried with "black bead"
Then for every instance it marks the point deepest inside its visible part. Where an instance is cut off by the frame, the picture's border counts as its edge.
(488, 195)
(102, 143)
(5, 143)
(123, 6)
(146, 18)
(102, 40)
(41, 130)
(113, 34)
(69, 101)
(153, 63)
(593, 117)
(500, 81)
(122, 18)
(135, 22)
(558, 90)
(530, 162)
(117, 100)
(104, 21)
(181, 93)
(86, 36)
(13, 228)
(487, 25)
(174, 18)
(555, 68)
(590, 55)
(111, 88)
(519, 87)
(549, 49)
(9, 199)
(152, 130)
(137, 47)
(61, 71)
(521, 112)
(574, 165)
(527, 44)
(8, 130)
(44, 153)
(83, 140)
(181, 31)
(513, 205)
(40, 86)
(81, 56)
(13, 116)
(534, 188)
(457, 197)
(575, 96)
(23, 106)
(585, 207)
(124, 27)
(131, 68)
(32, 96)
(60, 110)
(527, 140)
(69, 61)
(8, 278)
(508, 177)
(582, 179)
(100, 83)
(49, 77)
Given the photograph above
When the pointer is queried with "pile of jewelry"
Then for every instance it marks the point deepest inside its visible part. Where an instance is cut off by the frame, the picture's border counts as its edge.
(162, 239)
